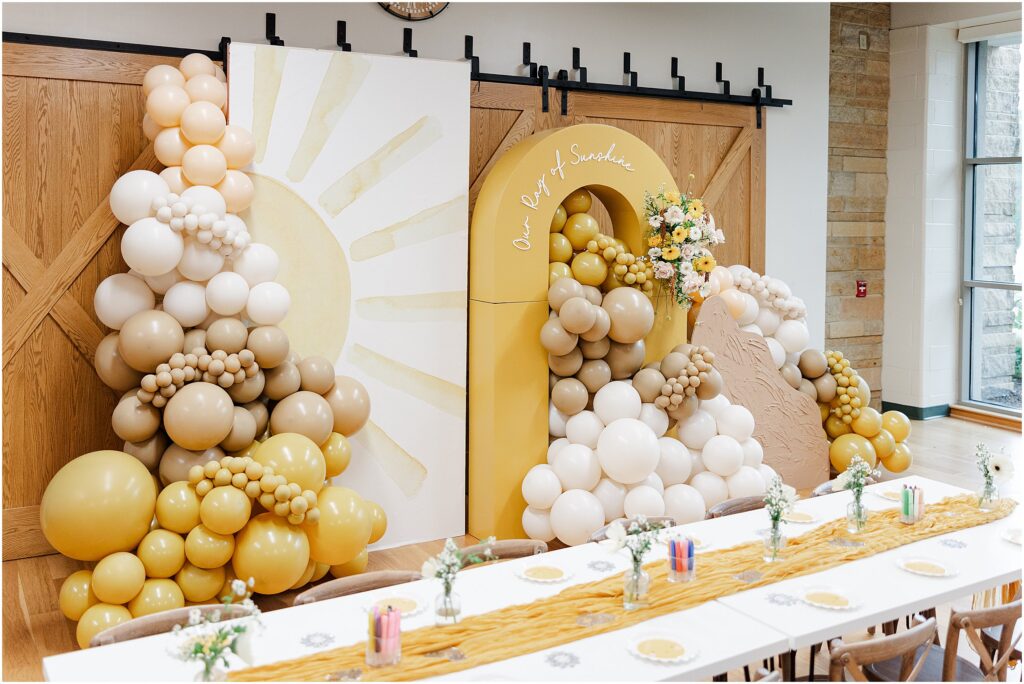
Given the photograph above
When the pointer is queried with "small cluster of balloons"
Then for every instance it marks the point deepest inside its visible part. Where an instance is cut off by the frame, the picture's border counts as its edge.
(577, 249)
(230, 437)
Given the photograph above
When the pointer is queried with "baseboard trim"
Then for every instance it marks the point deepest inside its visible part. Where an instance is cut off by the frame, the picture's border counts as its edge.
(23, 536)
(990, 418)
(918, 412)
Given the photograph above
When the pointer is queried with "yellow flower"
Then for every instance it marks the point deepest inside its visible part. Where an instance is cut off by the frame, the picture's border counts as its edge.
(672, 197)
(679, 234)
(670, 253)
(696, 208)
(704, 264)
(654, 241)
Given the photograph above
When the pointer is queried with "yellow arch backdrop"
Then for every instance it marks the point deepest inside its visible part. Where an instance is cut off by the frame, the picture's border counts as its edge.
(508, 370)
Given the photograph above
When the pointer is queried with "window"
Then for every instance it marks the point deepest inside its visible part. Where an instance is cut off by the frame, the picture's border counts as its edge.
(993, 265)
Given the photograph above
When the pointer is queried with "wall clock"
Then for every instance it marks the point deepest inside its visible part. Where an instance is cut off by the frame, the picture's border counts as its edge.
(414, 11)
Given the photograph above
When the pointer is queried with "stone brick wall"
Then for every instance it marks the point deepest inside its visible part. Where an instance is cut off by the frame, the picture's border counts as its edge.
(857, 185)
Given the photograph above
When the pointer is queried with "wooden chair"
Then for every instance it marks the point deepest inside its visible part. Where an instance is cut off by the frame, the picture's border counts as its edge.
(900, 649)
(734, 506)
(990, 638)
(505, 549)
(945, 665)
(343, 586)
(602, 532)
(763, 675)
(161, 622)
(826, 487)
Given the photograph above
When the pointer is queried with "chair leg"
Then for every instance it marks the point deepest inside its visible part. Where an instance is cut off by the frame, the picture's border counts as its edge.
(889, 628)
(810, 671)
(746, 673)
(788, 663)
(721, 678)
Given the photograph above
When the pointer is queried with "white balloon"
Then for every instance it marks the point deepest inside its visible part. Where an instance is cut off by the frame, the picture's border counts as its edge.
(767, 320)
(617, 400)
(577, 467)
(715, 405)
(673, 462)
(199, 262)
(752, 329)
(611, 494)
(653, 481)
(778, 353)
(792, 335)
(132, 196)
(767, 472)
(696, 462)
(576, 515)
(722, 455)
(555, 447)
(628, 450)
(584, 428)
(151, 247)
(556, 422)
(119, 297)
(161, 283)
(655, 418)
(268, 303)
(746, 481)
(537, 524)
(793, 358)
(736, 421)
(738, 271)
(205, 198)
(697, 429)
(227, 293)
(643, 501)
(684, 504)
(753, 452)
(712, 488)
(541, 486)
(750, 309)
(186, 301)
(258, 263)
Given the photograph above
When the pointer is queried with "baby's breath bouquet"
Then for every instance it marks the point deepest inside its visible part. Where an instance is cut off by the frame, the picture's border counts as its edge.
(637, 536)
(778, 500)
(854, 478)
(445, 566)
(209, 641)
(994, 468)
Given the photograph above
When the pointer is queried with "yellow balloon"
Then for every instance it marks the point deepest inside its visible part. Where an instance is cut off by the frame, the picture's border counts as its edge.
(559, 248)
(897, 423)
(337, 454)
(825, 411)
(378, 520)
(272, 552)
(97, 504)
(319, 571)
(589, 269)
(177, 507)
(558, 220)
(118, 577)
(296, 457)
(306, 575)
(98, 618)
(834, 427)
(157, 595)
(76, 595)
(845, 447)
(205, 548)
(900, 460)
(578, 201)
(162, 552)
(343, 529)
(580, 229)
(199, 584)
(225, 509)
(558, 270)
(353, 567)
(868, 423)
(884, 444)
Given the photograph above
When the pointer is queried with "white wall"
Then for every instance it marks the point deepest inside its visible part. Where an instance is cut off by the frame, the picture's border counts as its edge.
(905, 14)
(790, 40)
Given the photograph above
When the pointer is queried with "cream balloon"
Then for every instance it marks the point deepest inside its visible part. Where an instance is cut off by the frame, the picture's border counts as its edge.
(205, 199)
(778, 352)
(258, 263)
(151, 247)
(712, 488)
(555, 447)
(735, 421)
(575, 515)
(556, 422)
(162, 283)
(696, 430)
(655, 418)
(206, 88)
(237, 190)
(238, 146)
(537, 524)
(162, 74)
(203, 123)
(204, 165)
(119, 297)
(673, 462)
(584, 428)
(643, 500)
(186, 301)
(684, 504)
(541, 486)
(577, 467)
(792, 335)
(170, 146)
(612, 495)
(628, 450)
(227, 293)
(166, 103)
(131, 197)
(617, 400)
(175, 179)
(753, 452)
(746, 481)
(722, 455)
(268, 303)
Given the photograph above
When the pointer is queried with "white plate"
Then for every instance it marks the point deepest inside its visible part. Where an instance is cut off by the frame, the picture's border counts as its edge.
(523, 574)
(688, 654)
(907, 565)
(890, 495)
(807, 597)
(1012, 535)
(409, 605)
(804, 518)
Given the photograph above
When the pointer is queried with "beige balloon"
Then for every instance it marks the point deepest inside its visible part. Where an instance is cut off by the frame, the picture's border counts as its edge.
(577, 315)
(165, 104)
(316, 374)
(712, 384)
(260, 414)
(686, 409)
(270, 345)
(563, 290)
(134, 421)
(812, 363)
(647, 382)
(567, 364)
(199, 416)
(674, 364)
(592, 294)
(196, 337)
(791, 374)
(555, 338)
(595, 350)
(305, 413)
(826, 387)
(237, 190)
(204, 165)
(631, 312)
(625, 359)
(249, 389)
(282, 380)
(238, 146)
(602, 324)
(170, 146)
(111, 368)
(808, 388)
(162, 74)
(594, 374)
(202, 123)
(176, 462)
(350, 404)
(229, 334)
(864, 391)
(206, 88)
(243, 431)
(552, 381)
(148, 339)
(685, 349)
(148, 451)
(569, 396)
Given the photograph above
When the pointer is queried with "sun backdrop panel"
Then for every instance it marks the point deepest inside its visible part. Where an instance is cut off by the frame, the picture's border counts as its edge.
(361, 186)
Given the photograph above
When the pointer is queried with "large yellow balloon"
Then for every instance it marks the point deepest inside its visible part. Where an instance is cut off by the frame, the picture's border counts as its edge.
(556, 270)
(162, 553)
(378, 519)
(177, 507)
(97, 504)
(578, 201)
(272, 552)
(319, 571)
(558, 220)
(98, 618)
(205, 548)
(580, 229)
(834, 427)
(76, 594)
(884, 444)
(353, 567)
(118, 577)
(296, 457)
(589, 269)
(845, 447)
(896, 423)
(225, 509)
(900, 459)
(306, 575)
(868, 423)
(199, 584)
(559, 248)
(337, 454)
(157, 595)
(343, 529)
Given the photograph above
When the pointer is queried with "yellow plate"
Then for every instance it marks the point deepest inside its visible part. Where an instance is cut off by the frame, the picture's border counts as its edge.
(408, 606)
(926, 567)
(890, 494)
(798, 517)
(543, 573)
(662, 648)
(828, 598)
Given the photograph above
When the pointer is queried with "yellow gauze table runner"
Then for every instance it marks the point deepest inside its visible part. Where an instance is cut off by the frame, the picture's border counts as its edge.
(518, 630)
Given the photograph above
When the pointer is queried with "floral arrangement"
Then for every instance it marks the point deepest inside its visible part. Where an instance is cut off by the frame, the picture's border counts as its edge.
(682, 232)
(994, 468)
(209, 642)
(637, 537)
(447, 564)
(855, 477)
(778, 499)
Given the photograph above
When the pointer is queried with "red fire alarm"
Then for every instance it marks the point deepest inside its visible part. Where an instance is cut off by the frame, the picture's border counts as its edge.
(862, 288)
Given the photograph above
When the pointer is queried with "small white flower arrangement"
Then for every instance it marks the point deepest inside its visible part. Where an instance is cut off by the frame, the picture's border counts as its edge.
(446, 565)
(778, 499)
(209, 642)
(637, 536)
(855, 477)
(995, 469)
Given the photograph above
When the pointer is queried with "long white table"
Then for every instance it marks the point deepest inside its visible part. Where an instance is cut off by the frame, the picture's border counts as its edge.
(727, 633)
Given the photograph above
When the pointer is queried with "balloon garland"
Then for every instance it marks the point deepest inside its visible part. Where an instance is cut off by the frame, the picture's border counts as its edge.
(229, 436)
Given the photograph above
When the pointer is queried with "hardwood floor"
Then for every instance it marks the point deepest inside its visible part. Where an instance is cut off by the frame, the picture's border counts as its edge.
(33, 626)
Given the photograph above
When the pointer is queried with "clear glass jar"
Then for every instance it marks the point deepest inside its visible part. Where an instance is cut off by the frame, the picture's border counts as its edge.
(856, 516)
(774, 542)
(447, 608)
(988, 495)
(636, 586)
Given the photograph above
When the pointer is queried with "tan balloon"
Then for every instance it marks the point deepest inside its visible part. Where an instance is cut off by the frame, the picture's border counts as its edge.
(648, 382)
(199, 584)
(76, 595)
(196, 337)
(812, 363)
(157, 595)
(238, 146)
(808, 388)
(161, 74)
(176, 462)
(148, 339)
(350, 404)
(270, 345)
(685, 349)
(563, 290)
(305, 413)
(864, 390)
(206, 88)
(204, 165)
(592, 294)
(197, 63)
(569, 396)
(166, 103)
(134, 421)
(674, 364)
(625, 359)
(199, 416)
(791, 374)
(225, 509)
(272, 552)
(594, 374)
(249, 389)
(577, 315)
(237, 190)
(686, 409)
(595, 350)
(229, 334)
(602, 324)
(162, 552)
(631, 312)
(712, 385)
(170, 146)
(316, 373)
(149, 451)
(243, 430)
(205, 548)
(118, 577)
(556, 339)
(111, 368)
(566, 364)
(826, 386)
(260, 413)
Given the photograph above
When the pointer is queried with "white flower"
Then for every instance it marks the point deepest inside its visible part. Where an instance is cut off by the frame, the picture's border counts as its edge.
(674, 215)
(195, 616)
(616, 536)
(687, 252)
(429, 568)
(654, 252)
(238, 587)
(695, 233)
(654, 220)
(1001, 467)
